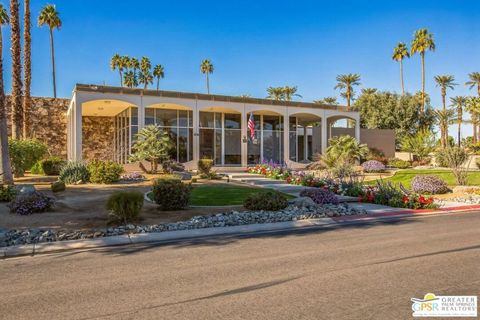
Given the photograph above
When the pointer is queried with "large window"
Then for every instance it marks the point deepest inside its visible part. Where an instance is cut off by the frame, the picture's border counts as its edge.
(268, 142)
(125, 129)
(179, 126)
(220, 137)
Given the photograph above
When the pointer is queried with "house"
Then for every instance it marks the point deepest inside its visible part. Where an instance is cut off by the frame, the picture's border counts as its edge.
(102, 121)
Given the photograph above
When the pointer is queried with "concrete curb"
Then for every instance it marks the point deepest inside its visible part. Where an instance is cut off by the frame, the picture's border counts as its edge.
(138, 238)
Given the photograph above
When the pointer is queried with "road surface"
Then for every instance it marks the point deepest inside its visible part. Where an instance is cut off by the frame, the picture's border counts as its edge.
(363, 271)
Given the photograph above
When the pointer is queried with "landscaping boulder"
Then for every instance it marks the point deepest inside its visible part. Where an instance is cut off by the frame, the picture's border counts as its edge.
(303, 202)
(183, 175)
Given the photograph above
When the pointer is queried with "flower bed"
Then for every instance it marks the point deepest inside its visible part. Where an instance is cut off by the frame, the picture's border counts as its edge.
(390, 195)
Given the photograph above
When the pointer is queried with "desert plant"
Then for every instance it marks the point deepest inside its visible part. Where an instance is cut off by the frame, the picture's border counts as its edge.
(269, 201)
(378, 155)
(346, 148)
(125, 206)
(29, 203)
(7, 193)
(52, 165)
(58, 186)
(204, 166)
(429, 185)
(104, 171)
(373, 166)
(171, 194)
(169, 166)
(421, 144)
(398, 163)
(75, 172)
(25, 153)
(455, 158)
(320, 196)
(343, 171)
(37, 168)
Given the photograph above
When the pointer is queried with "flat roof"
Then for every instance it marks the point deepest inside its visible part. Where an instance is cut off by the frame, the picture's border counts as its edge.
(203, 96)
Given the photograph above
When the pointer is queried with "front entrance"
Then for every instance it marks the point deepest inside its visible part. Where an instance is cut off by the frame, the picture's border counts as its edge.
(268, 142)
(221, 138)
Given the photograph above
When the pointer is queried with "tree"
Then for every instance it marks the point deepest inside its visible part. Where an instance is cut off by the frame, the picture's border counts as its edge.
(16, 100)
(474, 81)
(27, 67)
(152, 144)
(420, 144)
(443, 119)
(145, 76)
(49, 16)
(421, 43)
(399, 53)
(290, 92)
(473, 107)
(158, 73)
(459, 103)
(276, 93)
(444, 82)
(346, 82)
(117, 63)
(5, 166)
(206, 68)
(131, 77)
(327, 100)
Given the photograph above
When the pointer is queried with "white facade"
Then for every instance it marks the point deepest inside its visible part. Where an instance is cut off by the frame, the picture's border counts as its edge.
(229, 129)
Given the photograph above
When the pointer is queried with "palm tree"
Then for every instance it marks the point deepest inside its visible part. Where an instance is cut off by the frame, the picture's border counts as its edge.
(206, 68)
(158, 73)
(17, 111)
(116, 63)
(473, 107)
(421, 43)
(290, 92)
(474, 81)
(27, 67)
(367, 91)
(346, 82)
(327, 100)
(134, 65)
(443, 118)
(5, 167)
(399, 53)
(459, 104)
(444, 82)
(145, 76)
(50, 16)
(276, 93)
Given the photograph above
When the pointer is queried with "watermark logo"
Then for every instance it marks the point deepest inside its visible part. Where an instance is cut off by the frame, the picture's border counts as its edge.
(444, 306)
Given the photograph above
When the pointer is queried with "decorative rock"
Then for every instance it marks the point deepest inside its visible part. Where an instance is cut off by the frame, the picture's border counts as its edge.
(184, 175)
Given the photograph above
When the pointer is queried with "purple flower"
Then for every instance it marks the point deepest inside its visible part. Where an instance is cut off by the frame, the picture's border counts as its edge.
(373, 166)
(429, 185)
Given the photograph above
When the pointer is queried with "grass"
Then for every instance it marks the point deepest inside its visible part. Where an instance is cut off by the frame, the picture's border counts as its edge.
(405, 177)
(222, 195)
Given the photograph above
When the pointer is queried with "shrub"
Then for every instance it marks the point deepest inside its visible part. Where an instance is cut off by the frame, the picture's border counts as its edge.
(169, 166)
(343, 171)
(74, 172)
(373, 166)
(455, 158)
(104, 171)
(125, 206)
(24, 154)
(171, 194)
(398, 163)
(58, 186)
(204, 166)
(378, 155)
(52, 165)
(429, 185)
(29, 203)
(37, 168)
(7, 193)
(320, 196)
(269, 201)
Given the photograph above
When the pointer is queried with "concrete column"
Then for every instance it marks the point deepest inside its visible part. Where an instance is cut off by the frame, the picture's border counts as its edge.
(357, 129)
(244, 137)
(324, 128)
(286, 138)
(305, 142)
(196, 134)
(141, 114)
(77, 130)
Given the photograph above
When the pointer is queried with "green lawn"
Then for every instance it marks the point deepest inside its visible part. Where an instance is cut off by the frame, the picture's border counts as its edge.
(405, 176)
(222, 195)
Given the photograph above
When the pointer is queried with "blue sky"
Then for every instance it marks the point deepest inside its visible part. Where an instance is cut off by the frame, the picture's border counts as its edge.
(256, 44)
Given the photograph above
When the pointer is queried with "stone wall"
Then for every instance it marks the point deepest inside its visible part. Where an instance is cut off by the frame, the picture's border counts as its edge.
(97, 136)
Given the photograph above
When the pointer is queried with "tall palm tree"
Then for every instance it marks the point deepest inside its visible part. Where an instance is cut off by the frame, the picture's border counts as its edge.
(368, 91)
(443, 118)
(327, 100)
(290, 92)
(346, 82)
(474, 81)
(459, 103)
(49, 16)
(276, 93)
(27, 67)
(145, 76)
(5, 167)
(399, 53)
(444, 82)
(206, 68)
(17, 111)
(473, 107)
(116, 63)
(421, 43)
(158, 73)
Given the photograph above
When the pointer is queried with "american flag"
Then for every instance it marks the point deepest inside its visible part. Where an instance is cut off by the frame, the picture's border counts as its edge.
(251, 126)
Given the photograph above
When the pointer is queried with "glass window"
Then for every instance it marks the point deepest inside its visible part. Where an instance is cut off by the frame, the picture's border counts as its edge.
(190, 118)
(233, 146)
(206, 119)
(166, 118)
(293, 123)
(149, 116)
(218, 120)
(207, 143)
(182, 118)
(134, 118)
(271, 122)
(182, 145)
(232, 121)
